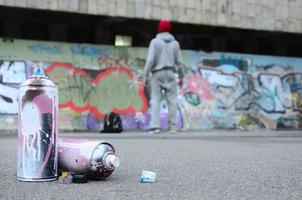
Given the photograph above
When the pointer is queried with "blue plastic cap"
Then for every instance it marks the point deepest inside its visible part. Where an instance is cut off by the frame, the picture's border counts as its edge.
(39, 72)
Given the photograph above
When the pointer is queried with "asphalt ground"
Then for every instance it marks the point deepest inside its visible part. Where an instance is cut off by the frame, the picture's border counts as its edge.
(189, 165)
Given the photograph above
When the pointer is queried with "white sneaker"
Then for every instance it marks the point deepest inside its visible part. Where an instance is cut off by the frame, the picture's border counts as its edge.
(154, 131)
(173, 131)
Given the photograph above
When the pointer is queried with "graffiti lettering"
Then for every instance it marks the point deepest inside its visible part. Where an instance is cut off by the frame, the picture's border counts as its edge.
(227, 87)
(88, 50)
(268, 92)
(220, 89)
(294, 81)
(46, 49)
(106, 61)
(100, 95)
(195, 89)
(12, 72)
(8, 99)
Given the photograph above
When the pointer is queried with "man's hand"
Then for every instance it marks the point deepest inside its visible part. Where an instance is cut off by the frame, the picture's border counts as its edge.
(180, 83)
(145, 82)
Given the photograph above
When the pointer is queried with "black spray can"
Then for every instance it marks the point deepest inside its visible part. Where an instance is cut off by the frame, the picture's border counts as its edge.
(96, 159)
(37, 129)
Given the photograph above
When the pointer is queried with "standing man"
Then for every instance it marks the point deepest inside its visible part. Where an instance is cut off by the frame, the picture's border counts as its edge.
(163, 61)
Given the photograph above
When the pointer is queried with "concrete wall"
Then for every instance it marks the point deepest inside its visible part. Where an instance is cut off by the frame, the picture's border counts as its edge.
(221, 90)
(274, 15)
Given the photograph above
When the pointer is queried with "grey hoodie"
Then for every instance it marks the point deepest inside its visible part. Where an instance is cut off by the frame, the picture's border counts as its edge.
(164, 51)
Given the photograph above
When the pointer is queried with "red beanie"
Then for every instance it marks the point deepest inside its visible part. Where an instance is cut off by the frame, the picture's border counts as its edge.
(164, 26)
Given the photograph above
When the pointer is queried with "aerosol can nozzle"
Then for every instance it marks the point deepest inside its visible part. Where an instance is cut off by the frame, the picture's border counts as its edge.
(112, 161)
(39, 72)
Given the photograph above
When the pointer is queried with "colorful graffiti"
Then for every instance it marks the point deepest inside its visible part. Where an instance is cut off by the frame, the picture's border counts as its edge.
(272, 96)
(100, 95)
(221, 90)
(12, 73)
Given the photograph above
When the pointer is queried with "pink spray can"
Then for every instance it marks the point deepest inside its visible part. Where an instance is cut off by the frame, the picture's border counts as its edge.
(96, 159)
(37, 129)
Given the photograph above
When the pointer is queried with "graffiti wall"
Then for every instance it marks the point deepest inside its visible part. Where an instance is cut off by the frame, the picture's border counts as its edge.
(221, 90)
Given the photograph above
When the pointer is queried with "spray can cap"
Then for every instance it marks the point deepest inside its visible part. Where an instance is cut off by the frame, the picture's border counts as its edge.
(112, 161)
(39, 72)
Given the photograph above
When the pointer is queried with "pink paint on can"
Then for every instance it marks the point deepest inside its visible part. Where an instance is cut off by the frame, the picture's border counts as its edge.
(37, 129)
(97, 159)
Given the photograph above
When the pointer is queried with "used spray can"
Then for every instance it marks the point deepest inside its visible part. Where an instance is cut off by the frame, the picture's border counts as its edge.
(37, 129)
(96, 159)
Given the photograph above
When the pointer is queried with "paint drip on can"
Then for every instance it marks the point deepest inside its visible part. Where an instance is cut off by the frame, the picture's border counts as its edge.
(96, 159)
(37, 129)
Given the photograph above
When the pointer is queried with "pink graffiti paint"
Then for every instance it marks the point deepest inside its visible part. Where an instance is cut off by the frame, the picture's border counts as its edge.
(37, 129)
(198, 85)
(97, 159)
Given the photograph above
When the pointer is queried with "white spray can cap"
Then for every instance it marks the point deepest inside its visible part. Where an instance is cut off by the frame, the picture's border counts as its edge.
(112, 161)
